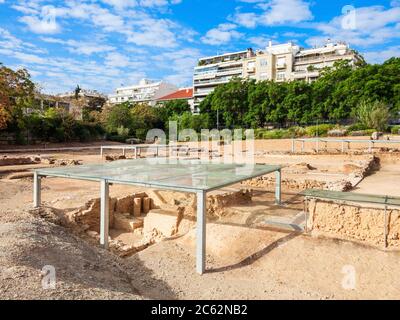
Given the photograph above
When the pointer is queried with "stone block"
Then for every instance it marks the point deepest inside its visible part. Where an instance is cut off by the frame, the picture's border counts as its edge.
(137, 207)
(162, 222)
(146, 205)
(127, 223)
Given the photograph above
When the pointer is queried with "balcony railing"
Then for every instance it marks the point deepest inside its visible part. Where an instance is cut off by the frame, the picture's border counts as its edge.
(320, 58)
(214, 81)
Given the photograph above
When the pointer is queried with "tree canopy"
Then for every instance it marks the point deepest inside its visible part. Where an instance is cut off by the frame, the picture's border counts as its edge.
(332, 97)
(16, 93)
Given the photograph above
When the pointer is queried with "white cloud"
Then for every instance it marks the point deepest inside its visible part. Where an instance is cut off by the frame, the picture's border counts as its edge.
(260, 41)
(248, 20)
(80, 47)
(294, 35)
(381, 55)
(152, 32)
(122, 4)
(373, 25)
(395, 3)
(8, 41)
(224, 33)
(137, 25)
(58, 74)
(115, 59)
(275, 12)
(45, 23)
(279, 12)
(179, 63)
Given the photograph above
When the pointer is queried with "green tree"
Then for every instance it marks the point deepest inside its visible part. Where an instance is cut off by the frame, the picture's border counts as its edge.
(258, 101)
(119, 116)
(17, 93)
(187, 120)
(372, 115)
(145, 118)
(231, 102)
(174, 107)
(298, 102)
(278, 111)
(327, 95)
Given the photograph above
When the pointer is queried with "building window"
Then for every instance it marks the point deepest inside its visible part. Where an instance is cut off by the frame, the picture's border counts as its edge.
(281, 76)
(264, 76)
(281, 62)
(251, 66)
(263, 62)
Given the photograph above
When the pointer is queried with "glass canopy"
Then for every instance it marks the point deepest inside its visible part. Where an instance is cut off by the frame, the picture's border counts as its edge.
(189, 175)
(352, 197)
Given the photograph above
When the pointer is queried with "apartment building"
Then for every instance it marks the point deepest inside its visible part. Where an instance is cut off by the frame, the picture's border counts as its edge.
(213, 71)
(308, 63)
(282, 62)
(146, 91)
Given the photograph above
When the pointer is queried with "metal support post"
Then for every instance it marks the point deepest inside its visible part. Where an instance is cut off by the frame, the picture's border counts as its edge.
(278, 184)
(104, 212)
(386, 232)
(37, 192)
(201, 232)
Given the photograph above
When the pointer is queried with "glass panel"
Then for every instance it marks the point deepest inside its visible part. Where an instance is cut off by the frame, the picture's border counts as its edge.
(352, 197)
(161, 172)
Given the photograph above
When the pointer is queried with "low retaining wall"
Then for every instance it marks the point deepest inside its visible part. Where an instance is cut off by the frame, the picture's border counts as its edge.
(350, 222)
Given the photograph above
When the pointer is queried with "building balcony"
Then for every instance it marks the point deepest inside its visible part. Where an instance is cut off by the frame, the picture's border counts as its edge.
(322, 58)
(213, 82)
(237, 71)
(203, 77)
(204, 91)
(281, 65)
(304, 73)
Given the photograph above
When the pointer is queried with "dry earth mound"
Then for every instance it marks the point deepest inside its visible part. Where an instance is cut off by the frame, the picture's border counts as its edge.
(83, 271)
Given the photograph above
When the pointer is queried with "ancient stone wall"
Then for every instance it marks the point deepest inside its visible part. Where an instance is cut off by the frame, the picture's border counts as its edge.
(351, 222)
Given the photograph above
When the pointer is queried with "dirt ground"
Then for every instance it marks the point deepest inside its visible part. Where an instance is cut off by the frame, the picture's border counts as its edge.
(249, 256)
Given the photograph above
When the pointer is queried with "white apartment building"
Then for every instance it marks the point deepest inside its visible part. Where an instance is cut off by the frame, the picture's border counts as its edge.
(146, 91)
(282, 62)
(212, 71)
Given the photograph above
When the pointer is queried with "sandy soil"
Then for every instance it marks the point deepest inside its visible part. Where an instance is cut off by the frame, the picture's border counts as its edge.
(385, 181)
(246, 258)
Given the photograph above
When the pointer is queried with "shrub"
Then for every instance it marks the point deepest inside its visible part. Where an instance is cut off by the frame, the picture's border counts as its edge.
(116, 138)
(362, 133)
(277, 134)
(297, 132)
(319, 130)
(395, 130)
(122, 131)
(372, 114)
(356, 127)
(337, 132)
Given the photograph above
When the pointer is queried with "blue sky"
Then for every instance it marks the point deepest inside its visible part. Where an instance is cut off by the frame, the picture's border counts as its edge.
(102, 44)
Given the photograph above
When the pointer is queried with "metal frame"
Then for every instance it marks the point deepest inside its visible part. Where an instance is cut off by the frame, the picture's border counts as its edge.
(342, 141)
(201, 204)
(104, 212)
(138, 148)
